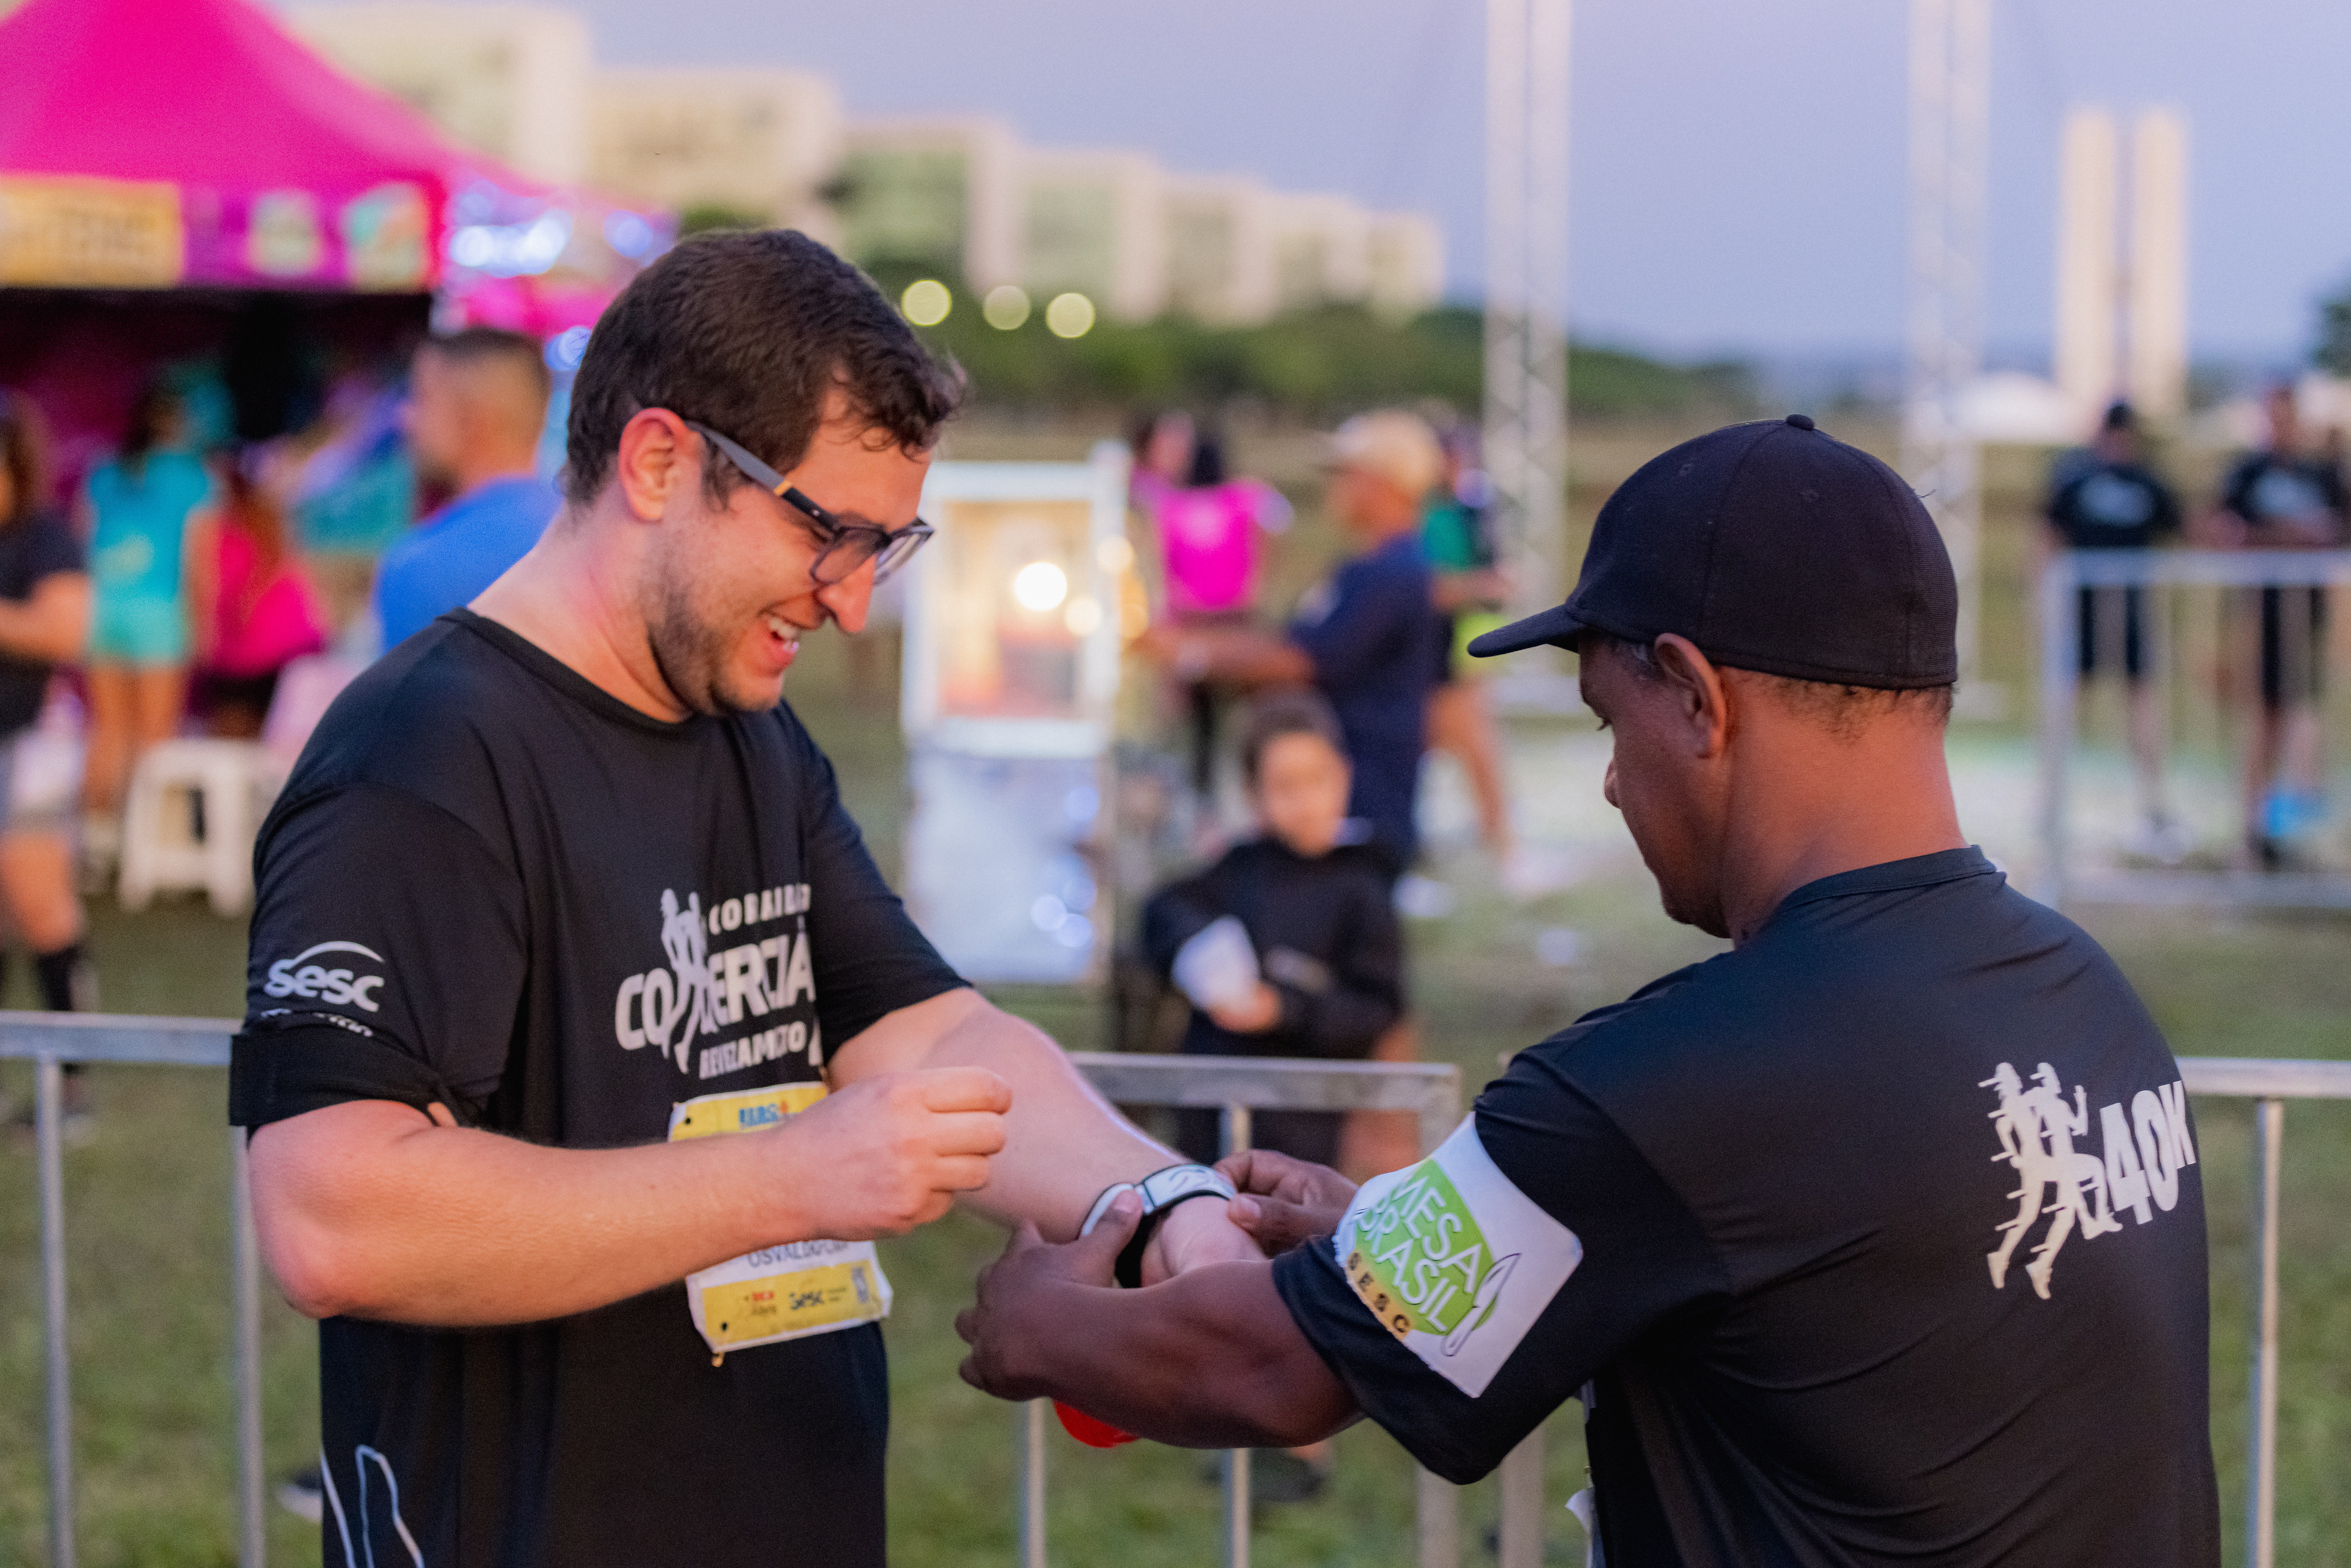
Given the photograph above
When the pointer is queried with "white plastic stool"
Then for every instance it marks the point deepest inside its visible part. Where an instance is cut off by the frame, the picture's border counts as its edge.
(235, 780)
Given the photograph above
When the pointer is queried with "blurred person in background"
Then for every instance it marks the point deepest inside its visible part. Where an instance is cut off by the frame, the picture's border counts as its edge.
(1365, 637)
(2284, 497)
(1327, 979)
(264, 612)
(1328, 976)
(2107, 497)
(1208, 529)
(477, 404)
(45, 599)
(1468, 589)
(148, 513)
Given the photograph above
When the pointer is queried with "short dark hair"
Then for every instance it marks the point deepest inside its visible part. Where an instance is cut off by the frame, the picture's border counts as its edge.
(750, 331)
(1295, 711)
(1844, 711)
(491, 345)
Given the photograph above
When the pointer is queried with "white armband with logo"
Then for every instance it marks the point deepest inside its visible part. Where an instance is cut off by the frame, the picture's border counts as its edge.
(1454, 1259)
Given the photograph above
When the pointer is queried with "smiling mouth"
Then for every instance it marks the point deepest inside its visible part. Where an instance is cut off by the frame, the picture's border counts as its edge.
(786, 634)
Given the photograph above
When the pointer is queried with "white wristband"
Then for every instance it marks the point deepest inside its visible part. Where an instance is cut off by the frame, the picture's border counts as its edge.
(1161, 1190)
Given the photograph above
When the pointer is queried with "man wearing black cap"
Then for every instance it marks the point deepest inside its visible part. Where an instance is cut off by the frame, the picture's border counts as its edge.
(1877, 1238)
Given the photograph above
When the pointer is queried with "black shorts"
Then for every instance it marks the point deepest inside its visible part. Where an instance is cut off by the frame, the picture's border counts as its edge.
(2293, 645)
(2095, 639)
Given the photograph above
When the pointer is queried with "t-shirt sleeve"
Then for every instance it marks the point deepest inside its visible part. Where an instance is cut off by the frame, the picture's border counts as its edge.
(1366, 620)
(868, 956)
(1540, 1184)
(387, 960)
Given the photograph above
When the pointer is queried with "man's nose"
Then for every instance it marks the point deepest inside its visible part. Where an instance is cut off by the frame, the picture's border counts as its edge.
(1608, 785)
(847, 600)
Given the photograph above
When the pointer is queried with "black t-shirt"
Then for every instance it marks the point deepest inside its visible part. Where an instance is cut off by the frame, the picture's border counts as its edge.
(1757, 1213)
(41, 546)
(2266, 489)
(2113, 506)
(491, 883)
(1326, 938)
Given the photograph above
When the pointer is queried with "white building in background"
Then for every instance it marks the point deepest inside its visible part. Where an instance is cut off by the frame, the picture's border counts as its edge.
(1094, 224)
(1407, 258)
(1219, 235)
(509, 80)
(940, 190)
(1322, 251)
(760, 142)
(2121, 267)
(960, 194)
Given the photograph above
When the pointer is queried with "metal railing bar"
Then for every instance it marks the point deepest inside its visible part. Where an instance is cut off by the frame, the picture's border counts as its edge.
(2261, 1523)
(2205, 568)
(253, 1538)
(1268, 1083)
(2266, 1078)
(48, 1114)
(116, 1037)
(2185, 889)
(1032, 1423)
(1233, 1134)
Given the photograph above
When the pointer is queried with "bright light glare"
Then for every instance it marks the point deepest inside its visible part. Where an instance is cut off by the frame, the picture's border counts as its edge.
(926, 302)
(1082, 616)
(1114, 554)
(1070, 316)
(1040, 586)
(1006, 307)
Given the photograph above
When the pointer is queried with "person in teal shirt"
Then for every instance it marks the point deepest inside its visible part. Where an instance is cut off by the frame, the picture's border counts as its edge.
(147, 509)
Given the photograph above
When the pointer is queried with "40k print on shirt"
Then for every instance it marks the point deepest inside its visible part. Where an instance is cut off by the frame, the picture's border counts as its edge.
(2141, 1158)
(703, 992)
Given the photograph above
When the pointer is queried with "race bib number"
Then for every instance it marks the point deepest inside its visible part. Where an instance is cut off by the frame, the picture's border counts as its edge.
(1453, 1260)
(786, 1291)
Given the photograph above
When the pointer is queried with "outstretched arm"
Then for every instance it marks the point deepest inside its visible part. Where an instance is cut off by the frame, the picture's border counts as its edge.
(1211, 1359)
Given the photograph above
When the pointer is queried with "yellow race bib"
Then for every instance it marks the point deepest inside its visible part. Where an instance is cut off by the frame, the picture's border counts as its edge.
(786, 1291)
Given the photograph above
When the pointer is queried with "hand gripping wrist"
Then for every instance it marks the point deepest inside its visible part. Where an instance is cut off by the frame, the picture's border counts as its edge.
(1161, 1190)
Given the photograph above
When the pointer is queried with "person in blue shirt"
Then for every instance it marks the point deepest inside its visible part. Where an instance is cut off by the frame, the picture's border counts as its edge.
(478, 400)
(1365, 637)
(149, 514)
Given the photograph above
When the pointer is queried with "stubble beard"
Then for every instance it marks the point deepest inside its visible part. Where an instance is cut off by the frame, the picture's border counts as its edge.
(689, 646)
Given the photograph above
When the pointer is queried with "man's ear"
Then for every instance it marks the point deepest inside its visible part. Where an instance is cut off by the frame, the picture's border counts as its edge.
(1700, 694)
(657, 455)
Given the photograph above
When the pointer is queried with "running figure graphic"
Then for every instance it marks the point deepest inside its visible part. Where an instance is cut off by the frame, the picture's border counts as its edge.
(2037, 1130)
(683, 938)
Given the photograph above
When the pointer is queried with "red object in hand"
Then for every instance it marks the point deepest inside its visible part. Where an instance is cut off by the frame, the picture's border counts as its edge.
(1093, 1434)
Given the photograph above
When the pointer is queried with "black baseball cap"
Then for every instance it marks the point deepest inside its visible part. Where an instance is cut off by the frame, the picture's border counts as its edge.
(1774, 548)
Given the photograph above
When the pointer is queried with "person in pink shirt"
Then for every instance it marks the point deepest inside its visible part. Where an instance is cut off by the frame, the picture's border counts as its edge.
(1211, 535)
(264, 614)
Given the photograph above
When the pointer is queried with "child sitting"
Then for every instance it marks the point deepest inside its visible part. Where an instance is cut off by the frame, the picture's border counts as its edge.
(1288, 945)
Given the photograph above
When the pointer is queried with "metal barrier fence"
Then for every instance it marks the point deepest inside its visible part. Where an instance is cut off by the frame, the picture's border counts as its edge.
(1237, 1086)
(2189, 646)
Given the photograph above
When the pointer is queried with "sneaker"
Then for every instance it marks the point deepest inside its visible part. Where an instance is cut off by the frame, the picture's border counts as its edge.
(1419, 897)
(303, 1494)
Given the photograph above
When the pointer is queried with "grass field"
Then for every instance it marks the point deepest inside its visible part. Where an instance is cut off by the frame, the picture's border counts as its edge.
(148, 1217)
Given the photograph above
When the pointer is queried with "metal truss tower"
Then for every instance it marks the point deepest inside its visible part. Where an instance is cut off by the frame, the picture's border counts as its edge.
(1950, 61)
(1526, 287)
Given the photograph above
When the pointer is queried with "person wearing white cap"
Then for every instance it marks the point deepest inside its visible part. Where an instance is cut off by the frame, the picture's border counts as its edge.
(1366, 636)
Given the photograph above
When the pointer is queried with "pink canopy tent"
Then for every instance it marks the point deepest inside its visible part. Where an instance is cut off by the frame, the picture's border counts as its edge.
(182, 177)
(163, 143)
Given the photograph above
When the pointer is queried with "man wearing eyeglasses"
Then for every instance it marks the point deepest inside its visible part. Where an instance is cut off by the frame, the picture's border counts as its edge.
(586, 1050)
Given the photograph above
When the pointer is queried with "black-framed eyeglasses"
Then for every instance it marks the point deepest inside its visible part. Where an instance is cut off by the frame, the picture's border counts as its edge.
(846, 545)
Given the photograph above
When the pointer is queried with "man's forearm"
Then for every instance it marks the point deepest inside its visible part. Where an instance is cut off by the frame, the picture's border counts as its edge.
(1063, 1142)
(455, 1228)
(1208, 1360)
